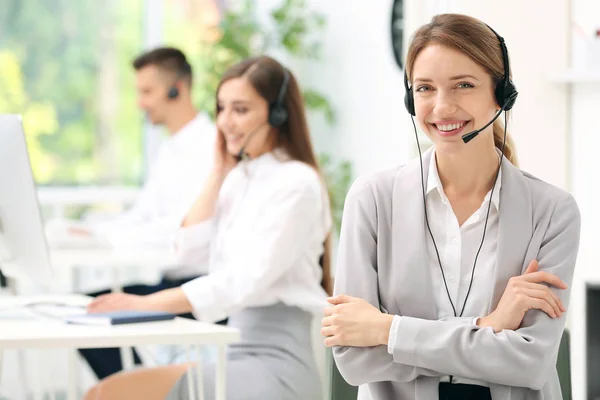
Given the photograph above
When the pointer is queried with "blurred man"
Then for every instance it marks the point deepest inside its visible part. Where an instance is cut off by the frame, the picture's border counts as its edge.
(163, 84)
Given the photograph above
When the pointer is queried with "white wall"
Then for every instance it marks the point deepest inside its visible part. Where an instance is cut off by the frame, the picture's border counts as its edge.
(362, 79)
(359, 76)
(584, 107)
(586, 133)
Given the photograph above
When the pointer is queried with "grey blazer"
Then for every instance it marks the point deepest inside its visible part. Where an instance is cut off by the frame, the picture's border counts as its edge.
(382, 258)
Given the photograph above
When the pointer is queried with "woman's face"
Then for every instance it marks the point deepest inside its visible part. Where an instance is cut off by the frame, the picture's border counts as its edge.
(453, 96)
(243, 118)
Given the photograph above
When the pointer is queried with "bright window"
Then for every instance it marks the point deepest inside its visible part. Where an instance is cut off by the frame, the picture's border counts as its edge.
(66, 67)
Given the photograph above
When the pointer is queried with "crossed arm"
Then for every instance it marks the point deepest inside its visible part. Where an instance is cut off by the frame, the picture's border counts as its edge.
(523, 332)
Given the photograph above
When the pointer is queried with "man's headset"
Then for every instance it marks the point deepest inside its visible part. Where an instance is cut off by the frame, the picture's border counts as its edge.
(173, 92)
(505, 92)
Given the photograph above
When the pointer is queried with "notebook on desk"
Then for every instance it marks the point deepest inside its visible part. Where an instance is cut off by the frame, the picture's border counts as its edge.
(119, 317)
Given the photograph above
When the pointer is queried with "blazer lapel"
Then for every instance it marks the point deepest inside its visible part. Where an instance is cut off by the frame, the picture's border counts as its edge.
(410, 265)
(514, 230)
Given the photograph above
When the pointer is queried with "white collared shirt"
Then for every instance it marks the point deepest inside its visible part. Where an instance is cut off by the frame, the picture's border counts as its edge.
(264, 242)
(182, 165)
(458, 246)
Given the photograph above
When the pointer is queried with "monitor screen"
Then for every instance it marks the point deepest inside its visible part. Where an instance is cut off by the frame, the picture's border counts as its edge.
(23, 249)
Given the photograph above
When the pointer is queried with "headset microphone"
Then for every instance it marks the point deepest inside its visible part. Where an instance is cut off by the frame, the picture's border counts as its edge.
(471, 135)
(242, 154)
(509, 101)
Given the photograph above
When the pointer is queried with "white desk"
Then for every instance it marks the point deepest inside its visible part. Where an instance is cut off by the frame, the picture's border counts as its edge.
(83, 195)
(58, 197)
(94, 257)
(116, 260)
(45, 333)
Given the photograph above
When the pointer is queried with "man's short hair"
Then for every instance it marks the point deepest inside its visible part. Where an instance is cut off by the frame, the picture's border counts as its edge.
(169, 59)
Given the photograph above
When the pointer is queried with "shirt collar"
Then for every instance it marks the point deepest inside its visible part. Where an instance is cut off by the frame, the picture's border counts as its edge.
(434, 183)
(275, 156)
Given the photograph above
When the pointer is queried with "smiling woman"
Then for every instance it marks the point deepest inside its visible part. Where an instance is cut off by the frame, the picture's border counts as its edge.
(242, 116)
(439, 256)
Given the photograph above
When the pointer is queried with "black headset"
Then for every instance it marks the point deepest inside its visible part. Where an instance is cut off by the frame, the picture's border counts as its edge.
(278, 114)
(505, 91)
(173, 92)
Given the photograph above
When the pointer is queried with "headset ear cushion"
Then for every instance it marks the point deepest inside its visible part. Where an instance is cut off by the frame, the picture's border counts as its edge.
(510, 94)
(409, 102)
(506, 95)
(173, 92)
(499, 94)
(277, 116)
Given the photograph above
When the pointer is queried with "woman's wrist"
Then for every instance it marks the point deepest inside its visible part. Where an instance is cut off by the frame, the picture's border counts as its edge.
(204, 207)
(169, 300)
(218, 175)
(487, 321)
(385, 325)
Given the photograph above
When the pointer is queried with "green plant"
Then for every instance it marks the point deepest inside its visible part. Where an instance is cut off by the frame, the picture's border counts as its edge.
(239, 35)
(292, 28)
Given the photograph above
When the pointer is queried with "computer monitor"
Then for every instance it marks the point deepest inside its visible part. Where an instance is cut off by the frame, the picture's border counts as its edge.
(23, 248)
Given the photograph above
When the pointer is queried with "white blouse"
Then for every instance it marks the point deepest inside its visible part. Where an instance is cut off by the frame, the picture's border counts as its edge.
(264, 242)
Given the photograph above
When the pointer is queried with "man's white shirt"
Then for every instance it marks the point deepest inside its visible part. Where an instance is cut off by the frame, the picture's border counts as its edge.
(176, 178)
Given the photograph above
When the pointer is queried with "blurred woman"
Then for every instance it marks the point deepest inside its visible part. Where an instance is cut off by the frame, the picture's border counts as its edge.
(262, 223)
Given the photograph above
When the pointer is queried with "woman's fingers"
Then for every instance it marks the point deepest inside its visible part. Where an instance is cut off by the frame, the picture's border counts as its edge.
(543, 276)
(543, 305)
(341, 299)
(548, 292)
(98, 301)
(327, 331)
(332, 341)
(532, 267)
(543, 295)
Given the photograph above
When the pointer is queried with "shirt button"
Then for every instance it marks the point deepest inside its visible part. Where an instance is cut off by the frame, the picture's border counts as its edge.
(455, 240)
(452, 279)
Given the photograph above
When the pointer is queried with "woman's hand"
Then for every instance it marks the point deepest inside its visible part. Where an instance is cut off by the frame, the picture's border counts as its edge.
(118, 302)
(170, 300)
(522, 294)
(224, 162)
(79, 231)
(354, 322)
(205, 205)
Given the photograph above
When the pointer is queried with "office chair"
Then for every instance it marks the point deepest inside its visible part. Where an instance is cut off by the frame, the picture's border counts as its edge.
(563, 366)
